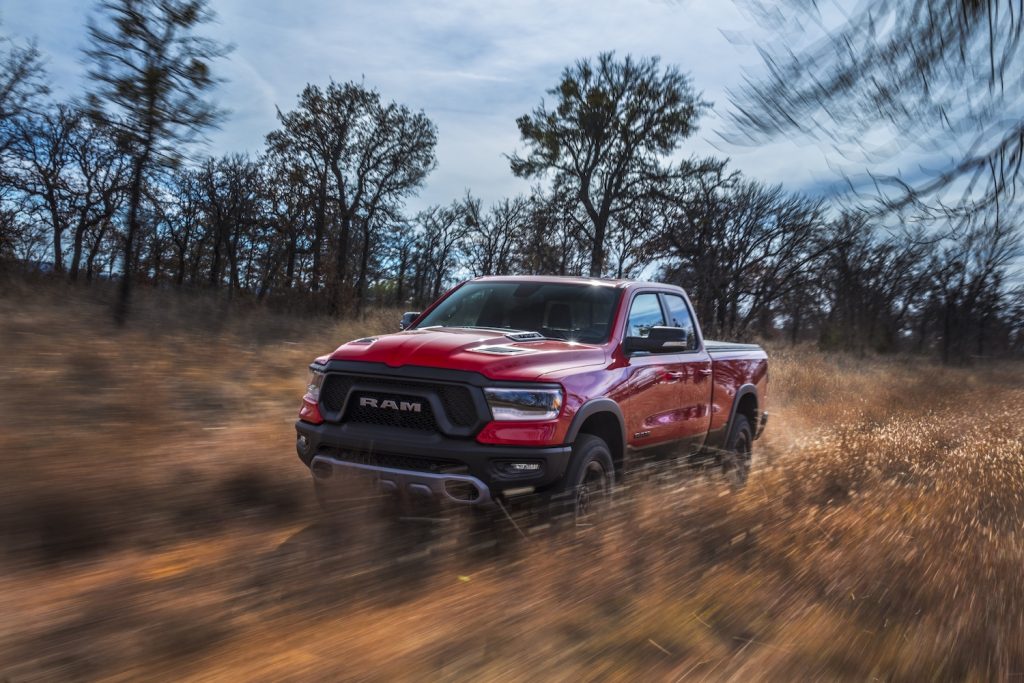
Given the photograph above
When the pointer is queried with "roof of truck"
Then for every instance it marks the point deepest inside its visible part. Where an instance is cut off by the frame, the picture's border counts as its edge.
(621, 284)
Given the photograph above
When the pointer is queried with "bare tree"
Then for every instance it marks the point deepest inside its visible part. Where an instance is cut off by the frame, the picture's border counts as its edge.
(375, 154)
(493, 235)
(150, 72)
(442, 235)
(935, 75)
(872, 281)
(184, 220)
(738, 247)
(610, 127)
(22, 85)
(290, 199)
(231, 204)
(69, 173)
(43, 145)
(969, 279)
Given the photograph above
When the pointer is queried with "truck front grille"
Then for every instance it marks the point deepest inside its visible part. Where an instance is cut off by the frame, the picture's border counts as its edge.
(456, 401)
(422, 418)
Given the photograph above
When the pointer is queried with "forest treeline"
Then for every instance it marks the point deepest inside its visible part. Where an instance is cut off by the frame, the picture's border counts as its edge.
(107, 185)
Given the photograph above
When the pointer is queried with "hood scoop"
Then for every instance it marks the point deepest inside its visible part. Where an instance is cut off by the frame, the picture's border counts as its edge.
(500, 350)
(525, 336)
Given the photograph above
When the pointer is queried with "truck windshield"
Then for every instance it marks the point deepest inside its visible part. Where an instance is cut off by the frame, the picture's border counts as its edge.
(571, 311)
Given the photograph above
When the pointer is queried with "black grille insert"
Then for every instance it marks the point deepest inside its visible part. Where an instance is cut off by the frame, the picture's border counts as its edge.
(334, 390)
(457, 401)
(391, 410)
(458, 404)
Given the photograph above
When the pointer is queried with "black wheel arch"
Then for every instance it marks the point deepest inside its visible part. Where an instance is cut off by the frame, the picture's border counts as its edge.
(750, 407)
(603, 418)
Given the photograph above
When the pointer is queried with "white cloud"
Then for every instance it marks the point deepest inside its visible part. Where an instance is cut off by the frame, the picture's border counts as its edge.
(473, 67)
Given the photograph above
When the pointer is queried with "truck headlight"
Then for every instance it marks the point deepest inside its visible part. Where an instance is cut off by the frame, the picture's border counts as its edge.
(316, 380)
(524, 404)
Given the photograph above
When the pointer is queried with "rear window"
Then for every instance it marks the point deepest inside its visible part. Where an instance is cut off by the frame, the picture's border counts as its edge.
(570, 311)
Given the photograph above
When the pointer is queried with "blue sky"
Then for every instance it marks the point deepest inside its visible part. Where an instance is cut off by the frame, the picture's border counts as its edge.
(473, 67)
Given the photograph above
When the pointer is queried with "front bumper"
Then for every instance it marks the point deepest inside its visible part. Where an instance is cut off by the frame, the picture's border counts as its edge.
(414, 464)
(458, 488)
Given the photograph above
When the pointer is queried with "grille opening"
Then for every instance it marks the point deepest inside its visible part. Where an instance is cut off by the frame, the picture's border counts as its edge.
(456, 400)
(420, 418)
(461, 490)
(334, 390)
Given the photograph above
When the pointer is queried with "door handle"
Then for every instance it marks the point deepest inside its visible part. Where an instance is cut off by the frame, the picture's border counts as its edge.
(704, 372)
(671, 377)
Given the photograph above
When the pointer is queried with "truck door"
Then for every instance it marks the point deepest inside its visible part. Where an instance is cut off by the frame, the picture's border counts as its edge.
(652, 408)
(692, 367)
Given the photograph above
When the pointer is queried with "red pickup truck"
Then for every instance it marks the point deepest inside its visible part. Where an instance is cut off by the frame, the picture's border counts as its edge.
(508, 386)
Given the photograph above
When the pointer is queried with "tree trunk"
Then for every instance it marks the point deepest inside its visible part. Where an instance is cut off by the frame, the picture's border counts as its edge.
(94, 250)
(234, 283)
(158, 262)
(290, 270)
(58, 231)
(402, 265)
(597, 249)
(319, 227)
(341, 262)
(215, 261)
(134, 198)
(179, 278)
(76, 253)
(364, 265)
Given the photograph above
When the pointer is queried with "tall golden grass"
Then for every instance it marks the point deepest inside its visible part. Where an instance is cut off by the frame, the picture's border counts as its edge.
(156, 524)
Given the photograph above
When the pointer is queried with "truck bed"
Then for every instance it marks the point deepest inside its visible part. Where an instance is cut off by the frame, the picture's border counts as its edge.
(714, 347)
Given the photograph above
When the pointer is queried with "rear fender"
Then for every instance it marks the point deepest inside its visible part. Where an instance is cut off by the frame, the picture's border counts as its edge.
(717, 438)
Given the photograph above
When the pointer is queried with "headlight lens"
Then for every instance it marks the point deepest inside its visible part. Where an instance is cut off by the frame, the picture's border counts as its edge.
(316, 379)
(524, 404)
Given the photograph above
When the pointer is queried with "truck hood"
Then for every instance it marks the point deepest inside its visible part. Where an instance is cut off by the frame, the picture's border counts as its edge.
(490, 353)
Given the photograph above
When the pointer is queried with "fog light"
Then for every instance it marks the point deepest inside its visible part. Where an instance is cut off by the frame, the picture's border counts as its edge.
(519, 469)
(303, 444)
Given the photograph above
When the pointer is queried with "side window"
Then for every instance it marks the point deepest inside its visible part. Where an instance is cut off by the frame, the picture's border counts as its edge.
(679, 316)
(644, 314)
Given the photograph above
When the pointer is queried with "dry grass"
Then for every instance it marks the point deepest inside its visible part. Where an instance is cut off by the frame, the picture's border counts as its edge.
(156, 524)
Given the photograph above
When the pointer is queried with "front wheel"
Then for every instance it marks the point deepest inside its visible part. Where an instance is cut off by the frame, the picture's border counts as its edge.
(587, 492)
(735, 459)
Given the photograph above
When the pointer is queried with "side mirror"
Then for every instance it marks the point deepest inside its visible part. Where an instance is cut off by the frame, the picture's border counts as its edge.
(407, 319)
(659, 340)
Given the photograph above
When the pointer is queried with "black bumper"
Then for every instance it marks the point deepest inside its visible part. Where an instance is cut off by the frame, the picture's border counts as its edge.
(415, 463)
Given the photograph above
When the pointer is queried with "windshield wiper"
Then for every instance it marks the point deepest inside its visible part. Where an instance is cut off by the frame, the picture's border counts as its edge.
(476, 327)
(511, 333)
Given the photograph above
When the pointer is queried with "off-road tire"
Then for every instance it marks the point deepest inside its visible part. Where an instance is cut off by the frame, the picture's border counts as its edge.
(736, 457)
(586, 492)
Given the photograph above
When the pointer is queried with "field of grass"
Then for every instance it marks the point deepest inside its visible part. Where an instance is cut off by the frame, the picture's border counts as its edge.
(155, 523)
